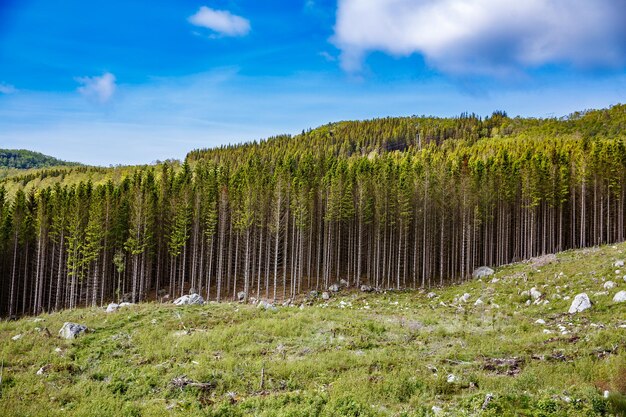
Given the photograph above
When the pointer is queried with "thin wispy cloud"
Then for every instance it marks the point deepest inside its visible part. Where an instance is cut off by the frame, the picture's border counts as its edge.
(220, 21)
(484, 37)
(7, 89)
(98, 88)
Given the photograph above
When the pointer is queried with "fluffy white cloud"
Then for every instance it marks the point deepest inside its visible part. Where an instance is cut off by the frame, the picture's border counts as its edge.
(484, 36)
(100, 89)
(7, 88)
(220, 21)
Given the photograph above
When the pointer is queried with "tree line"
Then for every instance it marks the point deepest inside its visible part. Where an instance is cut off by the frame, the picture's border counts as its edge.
(390, 203)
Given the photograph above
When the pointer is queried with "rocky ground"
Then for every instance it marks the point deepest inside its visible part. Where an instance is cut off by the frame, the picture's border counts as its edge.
(523, 341)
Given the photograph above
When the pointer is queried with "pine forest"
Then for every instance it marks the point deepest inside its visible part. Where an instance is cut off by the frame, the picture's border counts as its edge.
(393, 203)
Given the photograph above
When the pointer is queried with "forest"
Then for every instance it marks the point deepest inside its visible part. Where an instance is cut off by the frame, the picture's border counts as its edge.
(392, 203)
(23, 159)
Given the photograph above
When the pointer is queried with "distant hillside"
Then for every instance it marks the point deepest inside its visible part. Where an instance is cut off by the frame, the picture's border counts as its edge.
(24, 159)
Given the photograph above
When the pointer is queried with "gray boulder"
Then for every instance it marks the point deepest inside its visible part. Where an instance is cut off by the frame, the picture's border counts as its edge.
(241, 295)
(483, 271)
(333, 288)
(366, 288)
(609, 285)
(580, 303)
(189, 300)
(325, 296)
(266, 305)
(620, 297)
(71, 330)
(113, 307)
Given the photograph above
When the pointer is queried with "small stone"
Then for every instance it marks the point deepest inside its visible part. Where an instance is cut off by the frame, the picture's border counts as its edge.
(619, 263)
(431, 295)
(451, 379)
(44, 369)
(190, 299)
(609, 285)
(535, 294)
(495, 280)
(17, 337)
(546, 331)
(606, 394)
(581, 303)
(465, 297)
(241, 295)
(113, 307)
(483, 271)
(618, 271)
(620, 297)
(287, 302)
(325, 296)
(266, 305)
(488, 399)
(436, 410)
(333, 288)
(478, 302)
(540, 321)
(72, 330)
(366, 288)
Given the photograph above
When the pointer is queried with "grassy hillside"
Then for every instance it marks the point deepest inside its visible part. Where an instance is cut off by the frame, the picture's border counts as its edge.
(387, 354)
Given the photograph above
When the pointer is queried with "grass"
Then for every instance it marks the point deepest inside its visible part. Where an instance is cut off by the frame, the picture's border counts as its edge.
(385, 354)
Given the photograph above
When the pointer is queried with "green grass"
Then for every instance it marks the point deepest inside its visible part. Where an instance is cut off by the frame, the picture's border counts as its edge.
(385, 354)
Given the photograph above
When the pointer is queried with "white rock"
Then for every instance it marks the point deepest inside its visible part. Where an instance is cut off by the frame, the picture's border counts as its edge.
(618, 271)
(465, 297)
(189, 300)
(581, 303)
(624, 278)
(113, 307)
(478, 302)
(333, 288)
(436, 410)
(535, 294)
(540, 321)
(609, 285)
(483, 271)
(325, 296)
(17, 337)
(567, 298)
(527, 302)
(546, 331)
(431, 295)
(44, 369)
(606, 394)
(619, 263)
(71, 330)
(125, 304)
(495, 280)
(451, 379)
(58, 350)
(620, 297)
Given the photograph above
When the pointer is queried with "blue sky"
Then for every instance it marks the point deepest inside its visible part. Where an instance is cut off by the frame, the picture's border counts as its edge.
(108, 82)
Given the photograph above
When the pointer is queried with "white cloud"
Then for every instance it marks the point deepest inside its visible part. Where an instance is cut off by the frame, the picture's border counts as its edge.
(7, 88)
(100, 89)
(484, 36)
(220, 21)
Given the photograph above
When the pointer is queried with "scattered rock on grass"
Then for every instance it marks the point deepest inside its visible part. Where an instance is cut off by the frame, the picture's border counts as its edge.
(535, 294)
(581, 303)
(544, 260)
(431, 295)
(266, 305)
(619, 263)
(44, 369)
(241, 295)
(620, 297)
(366, 288)
(333, 288)
(325, 296)
(17, 337)
(72, 330)
(609, 285)
(189, 300)
(483, 271)
(540, 321)
(465, 297)
(113, 307)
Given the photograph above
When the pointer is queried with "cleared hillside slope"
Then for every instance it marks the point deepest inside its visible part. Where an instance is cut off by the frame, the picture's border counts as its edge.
(357, 354)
